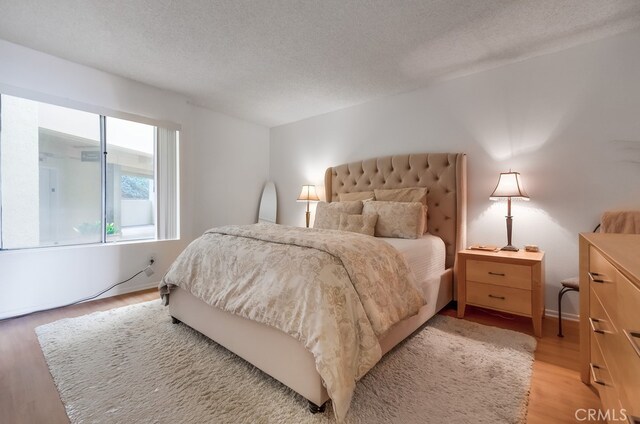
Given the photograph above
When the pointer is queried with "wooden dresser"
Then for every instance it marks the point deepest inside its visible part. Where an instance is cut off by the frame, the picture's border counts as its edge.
(610, 322)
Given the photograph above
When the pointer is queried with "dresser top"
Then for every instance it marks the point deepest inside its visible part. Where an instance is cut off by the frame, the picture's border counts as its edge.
(623, 250)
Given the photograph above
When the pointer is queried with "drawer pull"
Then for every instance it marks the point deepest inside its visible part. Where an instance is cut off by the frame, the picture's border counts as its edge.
(497, 297)
(593, 322)
(598, 278)
(499, 274)
(634, 338)
(593, 374)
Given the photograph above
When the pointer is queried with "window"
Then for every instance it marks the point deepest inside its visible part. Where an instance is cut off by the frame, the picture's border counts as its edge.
(57, 187)
(131, 193)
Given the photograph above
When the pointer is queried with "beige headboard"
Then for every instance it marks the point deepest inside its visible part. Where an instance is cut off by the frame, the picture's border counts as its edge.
(443, 174)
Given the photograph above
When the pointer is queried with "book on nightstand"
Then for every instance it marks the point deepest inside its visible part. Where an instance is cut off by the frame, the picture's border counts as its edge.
(485, 247)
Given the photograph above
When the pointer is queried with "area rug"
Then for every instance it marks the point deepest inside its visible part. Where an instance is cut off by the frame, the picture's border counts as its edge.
(131, 365)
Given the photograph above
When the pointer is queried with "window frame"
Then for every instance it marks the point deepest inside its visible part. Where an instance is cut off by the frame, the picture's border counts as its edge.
(103, 114)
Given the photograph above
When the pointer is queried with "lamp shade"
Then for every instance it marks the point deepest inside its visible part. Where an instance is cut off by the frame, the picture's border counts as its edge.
(509, 185)
(308, 194)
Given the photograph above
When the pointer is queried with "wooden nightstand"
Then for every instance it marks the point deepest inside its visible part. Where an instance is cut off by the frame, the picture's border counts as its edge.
(512, 282)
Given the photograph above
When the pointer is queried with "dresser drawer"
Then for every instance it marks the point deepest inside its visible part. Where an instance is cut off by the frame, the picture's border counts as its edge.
(608, 386)
(618, 355)
(628, 305)
(501, 274)
(602, 276)
(601, 378)
(610, 328)
(627, 375)
(503, 298)
(602, 327)
(628, 324)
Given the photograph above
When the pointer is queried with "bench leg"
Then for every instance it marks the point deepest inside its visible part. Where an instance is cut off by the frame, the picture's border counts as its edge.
(561, 293)
(314, 409)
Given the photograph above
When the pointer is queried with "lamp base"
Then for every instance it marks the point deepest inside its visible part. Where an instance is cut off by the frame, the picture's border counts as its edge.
(510, 248)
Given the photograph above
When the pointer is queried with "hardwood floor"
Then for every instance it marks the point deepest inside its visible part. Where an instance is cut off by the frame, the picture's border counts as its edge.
(28, 394)
(556, 389)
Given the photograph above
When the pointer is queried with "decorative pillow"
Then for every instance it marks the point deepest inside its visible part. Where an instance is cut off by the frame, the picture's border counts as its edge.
(363, 224)
(411, 194)
(397, 219)
(328, 214)
(356, 195)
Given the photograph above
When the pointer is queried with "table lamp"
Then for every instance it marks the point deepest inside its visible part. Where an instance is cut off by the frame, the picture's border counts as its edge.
(509, 186)
(308, 194)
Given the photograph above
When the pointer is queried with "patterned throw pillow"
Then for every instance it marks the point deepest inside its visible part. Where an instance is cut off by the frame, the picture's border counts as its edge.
(328, 214)
(363, 224)
(356, 195)
(411, 194)
(397, 219)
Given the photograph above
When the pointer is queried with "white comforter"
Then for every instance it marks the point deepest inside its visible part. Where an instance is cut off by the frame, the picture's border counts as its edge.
(335, 292)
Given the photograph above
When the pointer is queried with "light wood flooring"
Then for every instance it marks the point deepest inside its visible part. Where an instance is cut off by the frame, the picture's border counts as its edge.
(28, 394)
(556, 389)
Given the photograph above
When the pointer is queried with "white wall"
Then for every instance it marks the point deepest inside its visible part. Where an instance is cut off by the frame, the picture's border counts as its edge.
(19, 164)
(229, 170)
(569, 122)
(209, 143)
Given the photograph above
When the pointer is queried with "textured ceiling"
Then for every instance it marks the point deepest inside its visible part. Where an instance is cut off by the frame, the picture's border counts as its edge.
(278, 61)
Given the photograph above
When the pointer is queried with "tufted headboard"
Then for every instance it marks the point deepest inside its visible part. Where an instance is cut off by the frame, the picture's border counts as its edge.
(443, 174)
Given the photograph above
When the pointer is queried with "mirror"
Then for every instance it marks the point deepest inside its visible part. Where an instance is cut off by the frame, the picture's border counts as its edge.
(268, 204)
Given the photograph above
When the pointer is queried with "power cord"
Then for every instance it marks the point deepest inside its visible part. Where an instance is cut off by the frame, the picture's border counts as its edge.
(147, 270)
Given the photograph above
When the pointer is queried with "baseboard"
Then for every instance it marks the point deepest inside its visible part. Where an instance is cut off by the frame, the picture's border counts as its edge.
(125, 290)
(113, 292)
(565, 315)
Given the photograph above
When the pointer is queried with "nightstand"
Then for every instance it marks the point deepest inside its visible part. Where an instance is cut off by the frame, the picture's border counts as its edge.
(511, 282)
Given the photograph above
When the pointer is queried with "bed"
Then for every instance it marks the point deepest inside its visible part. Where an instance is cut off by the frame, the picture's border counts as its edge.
(283, 356)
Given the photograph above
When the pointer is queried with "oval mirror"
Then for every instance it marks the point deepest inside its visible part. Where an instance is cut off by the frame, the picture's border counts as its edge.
(268, 204)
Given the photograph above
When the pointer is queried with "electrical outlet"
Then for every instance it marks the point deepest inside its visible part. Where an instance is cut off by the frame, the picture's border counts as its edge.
(148, 271)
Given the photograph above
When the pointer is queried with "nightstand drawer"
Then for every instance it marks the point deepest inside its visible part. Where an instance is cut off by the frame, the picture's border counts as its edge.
(492, 296)
(502, 274)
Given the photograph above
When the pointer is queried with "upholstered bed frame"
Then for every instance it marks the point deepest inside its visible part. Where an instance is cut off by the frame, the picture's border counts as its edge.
(282, 356)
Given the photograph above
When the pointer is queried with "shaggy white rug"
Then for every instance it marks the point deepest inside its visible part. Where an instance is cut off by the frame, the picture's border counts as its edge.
(132, 365)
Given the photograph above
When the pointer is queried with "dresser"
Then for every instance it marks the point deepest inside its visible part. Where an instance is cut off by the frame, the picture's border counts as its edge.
(503, 281)
(610, 322)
